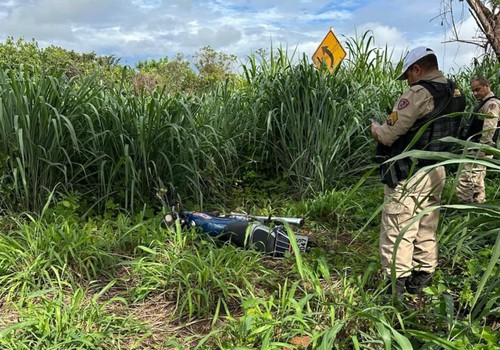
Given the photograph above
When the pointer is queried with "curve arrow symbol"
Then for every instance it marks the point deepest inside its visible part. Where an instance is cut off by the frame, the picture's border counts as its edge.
(326, 51)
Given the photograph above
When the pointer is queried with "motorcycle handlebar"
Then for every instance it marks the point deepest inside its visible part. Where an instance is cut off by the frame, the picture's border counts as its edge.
(266, 219)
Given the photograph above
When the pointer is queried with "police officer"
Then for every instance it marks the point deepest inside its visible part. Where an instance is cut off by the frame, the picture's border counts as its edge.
(482, 128)
(408, 191)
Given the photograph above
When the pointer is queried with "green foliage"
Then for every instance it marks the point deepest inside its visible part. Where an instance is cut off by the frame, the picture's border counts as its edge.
(213, 66)
(60, 136)
(39, 134)
(298, 110)
(347, 208)
(42, 250)
(174, 76)
(14, 54)
(204, 281)
(63, 318)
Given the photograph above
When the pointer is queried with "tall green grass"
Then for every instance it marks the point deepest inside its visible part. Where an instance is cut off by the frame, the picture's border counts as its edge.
(203, 281)
(38, 136)
(282, 120)
(62, 136)
(63, 317)
(313, 129)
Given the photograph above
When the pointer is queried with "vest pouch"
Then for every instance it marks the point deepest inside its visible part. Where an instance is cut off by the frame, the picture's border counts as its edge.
(388, 174)
(403, 167)
(382, 153)
(462, 132)
(393, 172)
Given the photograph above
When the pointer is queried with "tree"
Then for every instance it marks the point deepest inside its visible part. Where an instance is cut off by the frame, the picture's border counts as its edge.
(174, 75)
(14, 53)
(177, 75)
(17, 53)
(213, 66)
(487, 16)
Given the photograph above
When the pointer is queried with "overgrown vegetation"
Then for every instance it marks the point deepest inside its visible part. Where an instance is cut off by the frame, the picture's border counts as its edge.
(85, 264)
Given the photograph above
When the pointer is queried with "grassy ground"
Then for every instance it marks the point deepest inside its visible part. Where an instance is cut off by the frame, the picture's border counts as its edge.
(119, 283)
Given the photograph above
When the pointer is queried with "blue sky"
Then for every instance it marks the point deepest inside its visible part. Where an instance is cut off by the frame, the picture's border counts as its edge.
(142, 29)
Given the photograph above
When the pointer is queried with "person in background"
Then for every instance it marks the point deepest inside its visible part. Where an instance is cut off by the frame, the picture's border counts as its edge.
(483, 128)
(407, 191)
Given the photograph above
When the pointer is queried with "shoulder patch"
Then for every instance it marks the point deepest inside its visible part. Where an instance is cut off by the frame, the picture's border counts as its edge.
(403, 103)
(392, 119)
(493, 106)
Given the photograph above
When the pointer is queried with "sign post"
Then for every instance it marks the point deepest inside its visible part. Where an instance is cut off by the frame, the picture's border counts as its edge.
(330, 51)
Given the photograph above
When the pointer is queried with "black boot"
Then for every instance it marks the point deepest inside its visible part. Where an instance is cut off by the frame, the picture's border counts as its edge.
(400, 286)
(417, 282)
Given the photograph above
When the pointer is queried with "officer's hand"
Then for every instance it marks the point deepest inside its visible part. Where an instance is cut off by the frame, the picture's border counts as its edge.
(373, 128)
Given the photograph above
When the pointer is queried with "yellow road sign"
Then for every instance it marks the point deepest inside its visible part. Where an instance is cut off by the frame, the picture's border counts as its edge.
(330, 51)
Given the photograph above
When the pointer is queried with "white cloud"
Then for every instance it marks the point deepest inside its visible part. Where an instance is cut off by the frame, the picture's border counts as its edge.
(227, 35)
(383, 34)
(328, 15)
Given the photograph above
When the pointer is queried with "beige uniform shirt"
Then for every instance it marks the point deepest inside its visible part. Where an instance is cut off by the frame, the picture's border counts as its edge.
(415, 103)
(492, 108)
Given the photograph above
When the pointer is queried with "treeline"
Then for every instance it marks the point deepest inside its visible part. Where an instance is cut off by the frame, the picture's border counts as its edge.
(207, 68)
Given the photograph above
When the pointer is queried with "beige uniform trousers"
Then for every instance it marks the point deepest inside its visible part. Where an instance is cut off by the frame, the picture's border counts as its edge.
(470, 187)
(418, 247)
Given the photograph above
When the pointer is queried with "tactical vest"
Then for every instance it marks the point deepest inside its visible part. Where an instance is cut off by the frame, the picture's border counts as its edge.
(447, 99)
(476, 124)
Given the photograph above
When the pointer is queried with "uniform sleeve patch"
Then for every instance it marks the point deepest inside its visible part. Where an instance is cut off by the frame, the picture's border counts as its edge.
(392, 119)
(403, 103)
(493, 106)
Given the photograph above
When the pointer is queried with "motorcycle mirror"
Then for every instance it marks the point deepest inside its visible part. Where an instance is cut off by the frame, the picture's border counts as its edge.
(169, 194)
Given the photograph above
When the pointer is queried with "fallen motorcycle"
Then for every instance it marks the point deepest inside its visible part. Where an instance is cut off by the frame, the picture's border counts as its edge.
(267, 234)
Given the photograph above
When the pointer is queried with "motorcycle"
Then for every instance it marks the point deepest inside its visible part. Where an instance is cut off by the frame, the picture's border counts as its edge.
(267, 234)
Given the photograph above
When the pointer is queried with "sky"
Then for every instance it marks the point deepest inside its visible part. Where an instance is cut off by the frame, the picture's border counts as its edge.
(137, 30)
